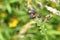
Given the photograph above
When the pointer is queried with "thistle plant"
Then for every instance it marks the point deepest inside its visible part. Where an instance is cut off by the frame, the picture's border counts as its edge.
(29, 19)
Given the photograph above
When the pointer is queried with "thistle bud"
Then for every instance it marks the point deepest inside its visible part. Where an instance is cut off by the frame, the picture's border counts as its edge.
(32, 16)
(32, 11)
(39, 15)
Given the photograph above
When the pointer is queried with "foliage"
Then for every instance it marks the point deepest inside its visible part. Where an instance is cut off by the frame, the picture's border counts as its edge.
(14, 15)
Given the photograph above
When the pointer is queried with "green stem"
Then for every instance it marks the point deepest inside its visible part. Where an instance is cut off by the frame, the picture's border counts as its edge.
(1, 37)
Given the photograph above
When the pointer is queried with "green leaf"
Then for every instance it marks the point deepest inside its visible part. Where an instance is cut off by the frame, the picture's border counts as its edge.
(12, 1)
(8, 7)
(54, 32)
(1, 36)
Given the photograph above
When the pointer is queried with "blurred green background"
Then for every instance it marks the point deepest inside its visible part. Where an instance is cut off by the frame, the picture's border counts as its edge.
(14, 14)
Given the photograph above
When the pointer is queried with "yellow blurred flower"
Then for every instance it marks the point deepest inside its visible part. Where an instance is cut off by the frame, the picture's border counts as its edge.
(29, 1)
(13, 23)
(3, 15)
